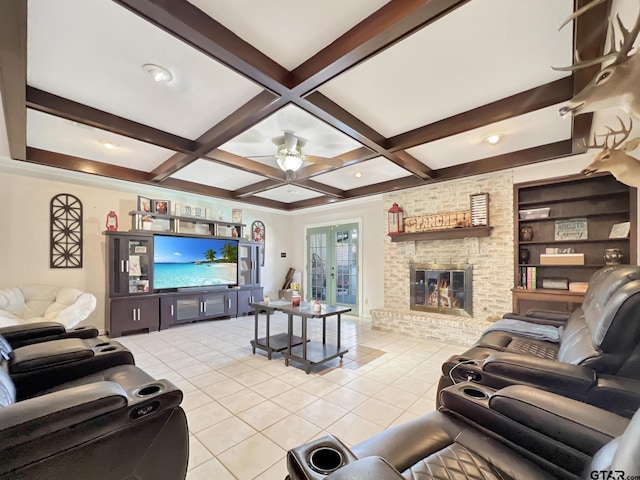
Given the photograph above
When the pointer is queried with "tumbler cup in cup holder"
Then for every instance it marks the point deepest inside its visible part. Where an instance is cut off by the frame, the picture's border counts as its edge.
(325, 460)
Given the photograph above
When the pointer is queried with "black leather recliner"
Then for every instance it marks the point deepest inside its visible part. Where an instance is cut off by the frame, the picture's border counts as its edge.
(39, 366)
(514, 433)
(117, 424)
(38, 332)
(597, 359)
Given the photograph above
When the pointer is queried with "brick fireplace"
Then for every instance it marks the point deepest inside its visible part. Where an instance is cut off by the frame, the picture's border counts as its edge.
(491, 259)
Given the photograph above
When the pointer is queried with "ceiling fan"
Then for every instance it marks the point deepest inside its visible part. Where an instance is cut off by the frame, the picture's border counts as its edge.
(289, 154)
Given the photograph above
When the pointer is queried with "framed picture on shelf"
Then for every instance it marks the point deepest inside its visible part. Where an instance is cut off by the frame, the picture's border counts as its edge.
(236, 215)
(620, 230)
(186, 210)
(161, 206)
(197, 211)
(144, 204)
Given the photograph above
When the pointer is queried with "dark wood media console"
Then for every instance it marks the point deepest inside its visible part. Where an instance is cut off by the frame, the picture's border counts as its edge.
(132, 305)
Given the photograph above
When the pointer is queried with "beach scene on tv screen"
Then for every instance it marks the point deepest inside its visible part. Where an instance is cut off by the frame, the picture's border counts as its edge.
(193, 262)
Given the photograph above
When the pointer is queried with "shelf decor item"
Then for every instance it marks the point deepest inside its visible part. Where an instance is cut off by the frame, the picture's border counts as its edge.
(161, 206)
(395, 219)
(612, 256)
(236, 215)
(534, 213)
(524, 255)
(620, 230)
(526, 233)
(479, 210)
(144, 204)
(571, 229)
(112, 221)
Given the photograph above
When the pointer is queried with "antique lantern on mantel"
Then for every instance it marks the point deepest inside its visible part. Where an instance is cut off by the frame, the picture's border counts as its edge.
(395, 219)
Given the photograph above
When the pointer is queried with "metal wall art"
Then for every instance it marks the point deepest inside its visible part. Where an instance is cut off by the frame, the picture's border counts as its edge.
(257, 235)
(66, 231)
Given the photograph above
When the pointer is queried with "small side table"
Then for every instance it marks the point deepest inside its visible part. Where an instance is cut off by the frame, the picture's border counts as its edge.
(270, 343)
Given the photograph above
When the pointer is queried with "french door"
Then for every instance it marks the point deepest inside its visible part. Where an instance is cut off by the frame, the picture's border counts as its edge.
(332, 265)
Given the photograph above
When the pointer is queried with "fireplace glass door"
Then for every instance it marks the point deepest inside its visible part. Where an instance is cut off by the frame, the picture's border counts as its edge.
(441, 289)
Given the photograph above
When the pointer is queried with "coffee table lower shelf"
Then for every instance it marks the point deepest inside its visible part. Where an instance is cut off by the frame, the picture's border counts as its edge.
(277, 343)
(317, 352)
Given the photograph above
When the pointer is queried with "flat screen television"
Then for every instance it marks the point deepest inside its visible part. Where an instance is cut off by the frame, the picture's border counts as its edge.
(183, 262)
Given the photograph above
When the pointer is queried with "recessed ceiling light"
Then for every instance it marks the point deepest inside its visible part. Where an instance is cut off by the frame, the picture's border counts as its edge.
(158, 73)
(493, 139)
(109, 145)
(358, 174)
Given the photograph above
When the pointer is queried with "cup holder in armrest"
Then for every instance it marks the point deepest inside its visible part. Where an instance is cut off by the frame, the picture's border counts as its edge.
(149, 390)
(325, 460)
(475, 393)
(108, 349)
(103, 344)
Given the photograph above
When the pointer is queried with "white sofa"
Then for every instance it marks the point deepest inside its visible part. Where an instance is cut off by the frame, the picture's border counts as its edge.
(40, 303)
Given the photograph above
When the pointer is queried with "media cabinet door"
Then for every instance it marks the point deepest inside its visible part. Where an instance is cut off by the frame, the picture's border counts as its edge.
(128, 315)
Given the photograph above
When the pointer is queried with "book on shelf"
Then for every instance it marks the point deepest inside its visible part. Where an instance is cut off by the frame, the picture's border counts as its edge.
(528, 277)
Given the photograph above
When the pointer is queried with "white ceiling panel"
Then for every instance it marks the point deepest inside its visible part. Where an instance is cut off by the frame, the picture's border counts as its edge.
(288, 194)
(322, 140)
(92, 52)
(289, 31)
(56, 134)
(213, 174)
(526, 131)
(481, 52)
(376, 170)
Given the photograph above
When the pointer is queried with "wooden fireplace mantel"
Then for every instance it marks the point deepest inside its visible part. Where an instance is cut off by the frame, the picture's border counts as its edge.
(445, 234)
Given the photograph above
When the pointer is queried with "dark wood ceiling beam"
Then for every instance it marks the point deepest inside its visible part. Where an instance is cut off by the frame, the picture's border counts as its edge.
(256, 109)
(76, 164)
(200, 189)
(384, 187)
(410, 163)
(246, 164)
(13, 74)
(349, 158)
(257, 188)
(319, 187)
(519, 104)
(390, 24)
(589, 36)
(508, 160)
(186, 22)
(77, 112)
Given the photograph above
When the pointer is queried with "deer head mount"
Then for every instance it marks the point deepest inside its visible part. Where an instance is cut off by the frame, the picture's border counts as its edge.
(615, 85)
(614, 158)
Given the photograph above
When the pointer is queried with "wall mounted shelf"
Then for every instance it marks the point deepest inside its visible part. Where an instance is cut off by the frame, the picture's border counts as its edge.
(447, 234)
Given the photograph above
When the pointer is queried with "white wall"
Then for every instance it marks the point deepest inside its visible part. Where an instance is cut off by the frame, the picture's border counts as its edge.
(25, 193)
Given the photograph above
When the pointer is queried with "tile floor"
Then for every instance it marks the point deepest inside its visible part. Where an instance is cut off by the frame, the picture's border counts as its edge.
(245, 411)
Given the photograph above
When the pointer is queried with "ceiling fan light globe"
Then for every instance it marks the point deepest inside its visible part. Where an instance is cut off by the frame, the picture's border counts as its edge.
(289, 162)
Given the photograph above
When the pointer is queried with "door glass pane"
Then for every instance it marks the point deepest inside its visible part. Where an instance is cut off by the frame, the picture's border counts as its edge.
(346, 255)
(318, 263)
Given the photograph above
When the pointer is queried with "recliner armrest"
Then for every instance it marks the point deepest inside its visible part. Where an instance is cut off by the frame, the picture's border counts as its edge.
(548, 374)
(41, 355)
(23, 332)
(578, 425)
(556, 319)
(33, 418)
(37, 332)
(366, 469)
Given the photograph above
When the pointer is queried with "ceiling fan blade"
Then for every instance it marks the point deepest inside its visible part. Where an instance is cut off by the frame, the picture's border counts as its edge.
(290, 141)
(330, 162)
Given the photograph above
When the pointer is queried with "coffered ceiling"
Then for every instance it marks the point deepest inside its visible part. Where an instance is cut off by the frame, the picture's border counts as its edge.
(397, 94)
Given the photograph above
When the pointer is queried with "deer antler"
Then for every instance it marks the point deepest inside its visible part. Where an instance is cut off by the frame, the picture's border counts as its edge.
(624, 131)
(620, 55)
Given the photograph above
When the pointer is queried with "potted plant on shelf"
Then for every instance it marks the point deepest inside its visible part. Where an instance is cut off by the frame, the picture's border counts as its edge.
(147, 221)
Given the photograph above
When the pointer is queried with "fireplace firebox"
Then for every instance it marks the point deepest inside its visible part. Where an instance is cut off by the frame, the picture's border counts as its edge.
(442, 288)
